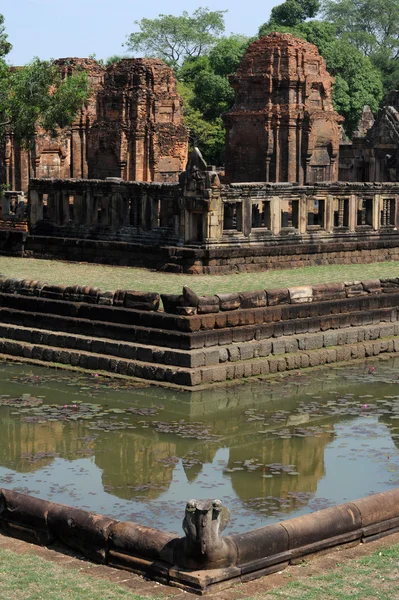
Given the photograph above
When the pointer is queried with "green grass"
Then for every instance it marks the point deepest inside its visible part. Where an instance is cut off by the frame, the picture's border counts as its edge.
(112, 278)
(371, 577)
(29, 577)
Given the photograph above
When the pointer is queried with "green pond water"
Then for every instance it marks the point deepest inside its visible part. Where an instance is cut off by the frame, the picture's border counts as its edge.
(268, 450)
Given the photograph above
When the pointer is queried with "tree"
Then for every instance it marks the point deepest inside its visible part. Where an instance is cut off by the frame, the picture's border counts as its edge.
(372, 26)
(37, 95)
(175, 39)
(293, 12)
(357, 80)
(207, 94)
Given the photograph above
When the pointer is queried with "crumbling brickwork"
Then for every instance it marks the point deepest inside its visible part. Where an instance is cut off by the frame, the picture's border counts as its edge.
(283, 126)
(131, 128)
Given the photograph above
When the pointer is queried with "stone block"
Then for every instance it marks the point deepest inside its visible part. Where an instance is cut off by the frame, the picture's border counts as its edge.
(293, 361)
(351, 336)
(311, 342)
(246, 351)
(328, 291)
(208, 304)
(387, 331)
(355, 289)
(208, 322)
(254, 299)
(212, 357)
(171, 302)
(265, 347)
(234, 353)
(190, 297)
(223, 355)
(291, 345)
(229, 301)
(301, 294)
(372, 286)
(278, 346)
(330, 339)
(119, 298)
(277, 296)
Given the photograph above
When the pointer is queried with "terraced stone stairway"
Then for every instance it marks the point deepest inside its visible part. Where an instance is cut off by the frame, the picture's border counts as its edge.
(269, 331)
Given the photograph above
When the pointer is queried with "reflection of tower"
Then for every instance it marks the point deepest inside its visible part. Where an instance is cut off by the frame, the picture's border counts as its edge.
(26, 447)
(305, 454)
(136, 465)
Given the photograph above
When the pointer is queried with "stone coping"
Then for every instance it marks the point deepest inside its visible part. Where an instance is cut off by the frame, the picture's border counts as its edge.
(203, 560)
(189, 303)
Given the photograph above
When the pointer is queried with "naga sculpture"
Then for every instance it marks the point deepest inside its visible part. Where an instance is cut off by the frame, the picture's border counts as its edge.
(203, 524)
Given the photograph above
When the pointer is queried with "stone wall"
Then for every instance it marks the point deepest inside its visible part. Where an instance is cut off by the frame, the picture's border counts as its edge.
(201, 226)
(198, 341)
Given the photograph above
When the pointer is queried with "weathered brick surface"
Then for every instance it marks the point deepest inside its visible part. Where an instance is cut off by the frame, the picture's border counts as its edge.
(95, 146)
(272, 112)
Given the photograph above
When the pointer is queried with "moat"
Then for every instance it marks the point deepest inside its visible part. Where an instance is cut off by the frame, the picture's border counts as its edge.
(269, 450)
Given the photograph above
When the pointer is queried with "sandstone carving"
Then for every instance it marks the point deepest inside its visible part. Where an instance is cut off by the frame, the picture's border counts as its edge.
(203, 524)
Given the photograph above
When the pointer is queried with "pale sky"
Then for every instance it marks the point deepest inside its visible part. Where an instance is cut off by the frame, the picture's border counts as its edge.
(63, 28)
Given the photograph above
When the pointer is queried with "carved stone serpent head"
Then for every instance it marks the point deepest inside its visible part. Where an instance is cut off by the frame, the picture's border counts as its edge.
(203, 524)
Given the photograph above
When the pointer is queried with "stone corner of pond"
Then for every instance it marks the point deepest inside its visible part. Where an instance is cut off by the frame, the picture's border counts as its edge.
(201, 560)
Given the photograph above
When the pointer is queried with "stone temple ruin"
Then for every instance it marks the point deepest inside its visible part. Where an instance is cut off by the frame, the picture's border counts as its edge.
(131, 129)
(112, 188)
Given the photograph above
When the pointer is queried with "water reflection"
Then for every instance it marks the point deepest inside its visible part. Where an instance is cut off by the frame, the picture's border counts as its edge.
(267, 449)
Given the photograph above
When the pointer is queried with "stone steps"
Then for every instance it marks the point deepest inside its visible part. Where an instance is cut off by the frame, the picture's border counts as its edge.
(115, 348)
(94, 354)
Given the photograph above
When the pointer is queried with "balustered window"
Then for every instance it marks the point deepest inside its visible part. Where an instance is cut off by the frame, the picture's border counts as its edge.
(232, 216)
(365, 212)
(388, 216)
(341, 212)
(261, 215)
(289, 213)
(316, 212)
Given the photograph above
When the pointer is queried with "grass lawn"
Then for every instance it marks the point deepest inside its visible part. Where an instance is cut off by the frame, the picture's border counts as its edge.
(375, 576)
(371, 577)
(29, 577)
(112, 278)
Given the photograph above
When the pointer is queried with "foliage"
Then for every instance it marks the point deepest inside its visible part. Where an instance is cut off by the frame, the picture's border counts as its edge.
(372, 26)
(293, 12)
(176, 38)
(357, 80)
(5, 46)
(37, 95)
(115, 58)
(208, 94)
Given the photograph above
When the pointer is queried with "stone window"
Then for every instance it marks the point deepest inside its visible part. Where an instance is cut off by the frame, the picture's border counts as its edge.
(71, 208)
(365, 212)
(261, 215)
(232, 216)
(341, 212)
(388, 216)
(316, 212)
(45, 207)
(289, 213)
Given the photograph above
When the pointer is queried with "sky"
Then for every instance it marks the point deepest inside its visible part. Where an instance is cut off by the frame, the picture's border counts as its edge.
(64, 28)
